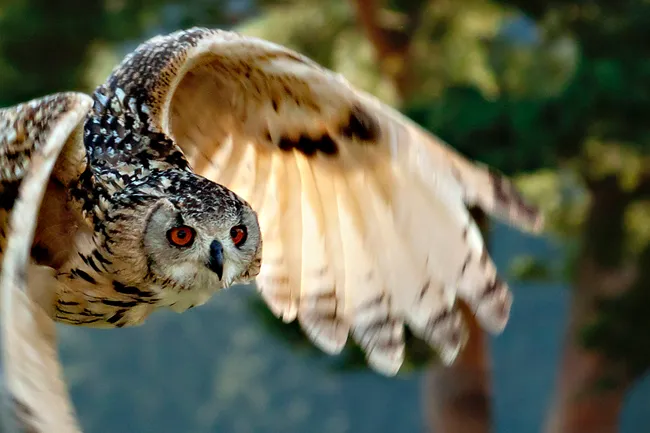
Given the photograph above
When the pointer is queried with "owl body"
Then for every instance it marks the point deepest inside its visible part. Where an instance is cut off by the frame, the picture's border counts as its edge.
(202, 145)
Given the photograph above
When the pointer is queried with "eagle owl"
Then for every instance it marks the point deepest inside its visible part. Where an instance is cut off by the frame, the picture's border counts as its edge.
(159, 189)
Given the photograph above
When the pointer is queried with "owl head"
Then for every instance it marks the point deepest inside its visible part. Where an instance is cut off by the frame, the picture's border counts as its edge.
(177, 231)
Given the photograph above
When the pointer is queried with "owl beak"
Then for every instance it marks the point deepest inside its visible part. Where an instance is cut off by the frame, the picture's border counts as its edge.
(215, 263)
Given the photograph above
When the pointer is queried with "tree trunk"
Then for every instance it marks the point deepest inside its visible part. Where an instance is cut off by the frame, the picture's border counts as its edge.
(457, 397)
(580, 405)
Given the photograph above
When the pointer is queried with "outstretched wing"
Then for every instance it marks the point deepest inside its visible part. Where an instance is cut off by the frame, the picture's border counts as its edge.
(32, 136)
(363, 213)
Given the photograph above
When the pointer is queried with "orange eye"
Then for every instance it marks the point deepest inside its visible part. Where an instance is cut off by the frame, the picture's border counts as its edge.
(182, 236)
(238, 235)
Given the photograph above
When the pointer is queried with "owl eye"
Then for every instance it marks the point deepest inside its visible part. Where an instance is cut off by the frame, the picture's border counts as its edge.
(182, 236)
(238, 235)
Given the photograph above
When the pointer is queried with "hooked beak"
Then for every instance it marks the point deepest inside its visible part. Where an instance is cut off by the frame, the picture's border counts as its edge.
(215, 263)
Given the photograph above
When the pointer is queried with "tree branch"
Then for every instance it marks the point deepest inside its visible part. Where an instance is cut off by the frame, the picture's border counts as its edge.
(392, 42)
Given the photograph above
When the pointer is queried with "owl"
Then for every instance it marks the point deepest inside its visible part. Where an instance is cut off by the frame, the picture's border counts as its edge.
(202, 145)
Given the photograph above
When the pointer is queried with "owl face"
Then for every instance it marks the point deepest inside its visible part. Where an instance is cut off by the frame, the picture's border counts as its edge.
(179, 231)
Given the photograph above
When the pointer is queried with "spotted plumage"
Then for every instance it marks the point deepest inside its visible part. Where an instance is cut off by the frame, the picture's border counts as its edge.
(363, 214)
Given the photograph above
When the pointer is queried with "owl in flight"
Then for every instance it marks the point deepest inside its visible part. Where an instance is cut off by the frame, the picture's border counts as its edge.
(159, 190)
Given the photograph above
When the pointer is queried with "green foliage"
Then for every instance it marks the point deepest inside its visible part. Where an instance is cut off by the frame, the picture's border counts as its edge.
(508, 135)
(313, 30)
(42, 46)
(637, 224)
(561, 195)
(528, 268)
(454, 44)
(45, 45)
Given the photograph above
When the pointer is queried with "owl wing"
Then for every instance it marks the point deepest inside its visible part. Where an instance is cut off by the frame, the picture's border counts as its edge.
(363, 213)
(32, 136)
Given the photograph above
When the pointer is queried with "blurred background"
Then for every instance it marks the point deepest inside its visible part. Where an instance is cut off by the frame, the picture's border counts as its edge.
(555, 93)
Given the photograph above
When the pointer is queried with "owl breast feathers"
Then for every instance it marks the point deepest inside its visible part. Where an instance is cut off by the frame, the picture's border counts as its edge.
(203, 144)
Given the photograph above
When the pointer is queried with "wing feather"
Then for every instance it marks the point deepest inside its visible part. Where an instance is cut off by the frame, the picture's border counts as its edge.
(274, 279)
(363, 213)
(433, 315)
(378, 320)
(290, 223)
(321, 305)
(39, 399)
